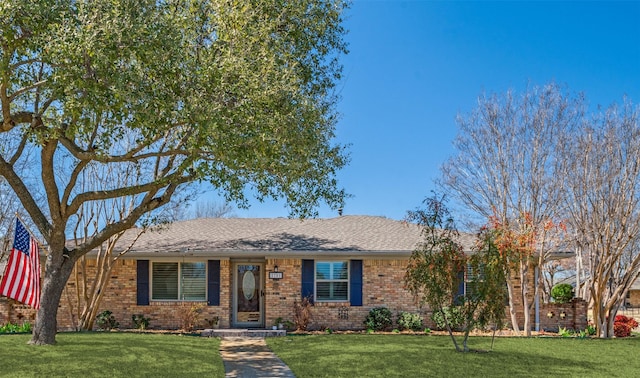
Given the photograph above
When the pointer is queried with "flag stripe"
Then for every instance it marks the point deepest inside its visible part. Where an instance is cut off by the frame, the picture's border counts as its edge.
(21, 279)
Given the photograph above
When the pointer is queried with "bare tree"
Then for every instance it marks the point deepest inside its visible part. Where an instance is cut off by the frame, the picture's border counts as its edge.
(506, 166)
(213, 210)
(89, 289)
(602, 176)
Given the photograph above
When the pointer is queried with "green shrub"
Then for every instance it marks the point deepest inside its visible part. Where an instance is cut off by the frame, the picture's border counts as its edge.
(140, 321)
(106, 321)
(379, 319)
(16, 328)
(410, 321)
(454, 317)
(562, 293)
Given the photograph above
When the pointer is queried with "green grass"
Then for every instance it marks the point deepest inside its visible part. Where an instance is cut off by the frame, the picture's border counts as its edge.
(434, 356)
(97, 354)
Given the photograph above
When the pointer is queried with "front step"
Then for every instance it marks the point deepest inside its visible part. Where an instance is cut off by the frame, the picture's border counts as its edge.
(222, 333)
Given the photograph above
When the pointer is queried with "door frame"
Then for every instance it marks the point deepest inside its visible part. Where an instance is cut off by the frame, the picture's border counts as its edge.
(235, 292)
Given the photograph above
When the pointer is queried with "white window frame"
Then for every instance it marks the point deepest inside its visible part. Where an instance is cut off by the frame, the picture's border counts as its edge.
(180, 282)
(347, 280)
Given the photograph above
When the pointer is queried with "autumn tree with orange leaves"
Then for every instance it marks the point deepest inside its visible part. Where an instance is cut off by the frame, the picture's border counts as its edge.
(523, 244)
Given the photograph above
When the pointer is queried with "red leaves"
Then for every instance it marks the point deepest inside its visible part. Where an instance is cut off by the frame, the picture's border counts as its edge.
(623, 325)
(521, 241)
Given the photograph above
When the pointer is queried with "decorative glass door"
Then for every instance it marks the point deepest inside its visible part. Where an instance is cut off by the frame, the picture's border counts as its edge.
(248, 295)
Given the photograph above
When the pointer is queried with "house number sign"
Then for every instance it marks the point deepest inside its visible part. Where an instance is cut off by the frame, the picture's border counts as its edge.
(276, 275)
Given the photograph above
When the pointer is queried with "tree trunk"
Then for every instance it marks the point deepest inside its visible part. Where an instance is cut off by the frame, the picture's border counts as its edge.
(512, 306)
(524, 284)
(57, 272)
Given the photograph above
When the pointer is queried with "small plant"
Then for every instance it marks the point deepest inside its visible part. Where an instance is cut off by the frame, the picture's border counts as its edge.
(453, 316)
(213, 322)
(379, 319)
(106, 321)
(409, 321)
(328, 331)
(15, 328)
(591, 330)
(427, 330)
(369, 331)
(302, 313)
(190, 315)
(562, 331)
(582, 334)
(140, 321)
(562, 293)
(395, 330)
(623, 325)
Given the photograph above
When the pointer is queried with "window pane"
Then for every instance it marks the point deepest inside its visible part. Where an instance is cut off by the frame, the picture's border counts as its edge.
(340, 271)
(323, 271)
(323, 291)
(331, 291)
(194, 281)
(165, 281)
(339, 291)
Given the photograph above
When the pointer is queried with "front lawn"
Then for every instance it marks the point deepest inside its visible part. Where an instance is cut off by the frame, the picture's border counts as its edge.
(97, 354)
(434, 356)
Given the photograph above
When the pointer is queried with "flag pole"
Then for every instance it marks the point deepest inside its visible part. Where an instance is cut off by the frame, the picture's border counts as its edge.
(6, 242)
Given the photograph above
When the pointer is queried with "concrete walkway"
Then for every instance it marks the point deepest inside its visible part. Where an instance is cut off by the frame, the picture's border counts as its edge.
(251, 357)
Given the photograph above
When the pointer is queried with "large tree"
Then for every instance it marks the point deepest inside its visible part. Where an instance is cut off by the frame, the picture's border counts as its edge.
(240, 94)
(602, 178)
(506, 167)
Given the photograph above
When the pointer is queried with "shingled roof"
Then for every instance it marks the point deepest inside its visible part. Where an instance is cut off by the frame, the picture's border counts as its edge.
(278, 236)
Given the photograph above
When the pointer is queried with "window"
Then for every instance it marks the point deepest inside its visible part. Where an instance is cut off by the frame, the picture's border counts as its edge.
(179, 281)
(332, 281)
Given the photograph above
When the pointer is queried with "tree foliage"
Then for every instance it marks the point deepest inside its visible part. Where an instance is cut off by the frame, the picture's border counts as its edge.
(240, 94)
(439, 267)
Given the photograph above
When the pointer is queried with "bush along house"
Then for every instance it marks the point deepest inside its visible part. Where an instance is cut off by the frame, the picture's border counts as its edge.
(251, 273)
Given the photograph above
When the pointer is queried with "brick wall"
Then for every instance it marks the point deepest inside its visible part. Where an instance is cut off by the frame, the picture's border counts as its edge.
(634, 298)
(383, 282)
(120, 298)
(382, 286)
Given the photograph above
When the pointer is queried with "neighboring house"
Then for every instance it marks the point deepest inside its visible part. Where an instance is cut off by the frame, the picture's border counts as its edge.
(249, 272)
(633, 295)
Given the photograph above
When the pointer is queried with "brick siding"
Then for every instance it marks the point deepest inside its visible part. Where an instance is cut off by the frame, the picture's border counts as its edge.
(382, 286)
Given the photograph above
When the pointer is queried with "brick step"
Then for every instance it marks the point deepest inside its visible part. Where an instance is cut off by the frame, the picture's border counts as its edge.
(223, 333)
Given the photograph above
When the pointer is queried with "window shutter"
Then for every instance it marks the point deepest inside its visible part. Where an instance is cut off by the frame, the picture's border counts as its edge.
(355, 283)
(308, 273)
(143, 282)
(213, 283)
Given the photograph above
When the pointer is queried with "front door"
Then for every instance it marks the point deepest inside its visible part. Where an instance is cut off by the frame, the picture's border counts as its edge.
(248, 295)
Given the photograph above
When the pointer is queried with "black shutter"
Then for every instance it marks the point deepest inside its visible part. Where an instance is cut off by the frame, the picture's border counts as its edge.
(355, 283)
(213, 283)
(143, 282)
(308, 281)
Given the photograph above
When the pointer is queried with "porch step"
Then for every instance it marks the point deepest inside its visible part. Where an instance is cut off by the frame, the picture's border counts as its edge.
(223, 333)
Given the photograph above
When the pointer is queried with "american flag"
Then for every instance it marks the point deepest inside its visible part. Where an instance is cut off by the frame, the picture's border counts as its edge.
(21, 279)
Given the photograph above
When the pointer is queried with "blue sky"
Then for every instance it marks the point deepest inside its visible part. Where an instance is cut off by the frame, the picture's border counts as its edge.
(414, 65)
